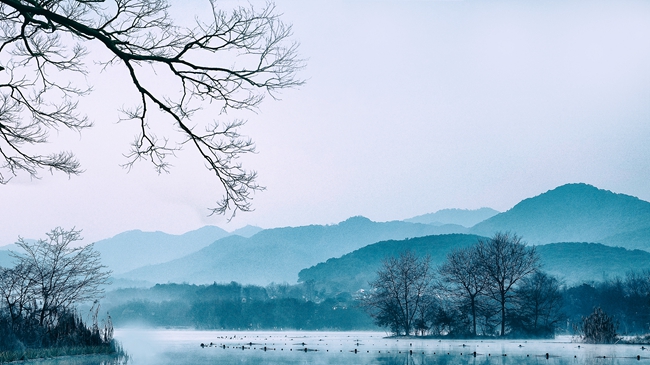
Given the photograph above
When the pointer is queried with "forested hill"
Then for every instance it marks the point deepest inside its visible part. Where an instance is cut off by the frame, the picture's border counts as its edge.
(574, 263)
(578, 262)
(638, 240)
(572, 213)
(277, 255)
(355, 269)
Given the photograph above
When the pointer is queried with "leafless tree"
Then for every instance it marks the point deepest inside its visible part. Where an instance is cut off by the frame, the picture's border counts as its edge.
(228, 60)
(16, 291)
(55, 276)
(505, 260)
(462, 279)
(637, 284)
(401, 293)
(538, 305)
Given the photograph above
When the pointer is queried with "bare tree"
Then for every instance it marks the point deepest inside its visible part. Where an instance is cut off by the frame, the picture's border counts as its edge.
(402, 292)
(637, 284)
(56, 276)
(505, 260)
(227, 60)
(462, 279)
(17, 294)
(538, 305)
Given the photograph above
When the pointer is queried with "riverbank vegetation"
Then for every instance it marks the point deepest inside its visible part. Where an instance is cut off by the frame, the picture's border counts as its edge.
(114, 349)
(39, 295)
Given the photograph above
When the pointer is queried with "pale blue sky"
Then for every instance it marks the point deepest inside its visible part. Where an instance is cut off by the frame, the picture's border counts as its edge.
(410, 107)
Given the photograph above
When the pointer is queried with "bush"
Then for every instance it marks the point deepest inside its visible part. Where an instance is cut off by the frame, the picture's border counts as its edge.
(8, 340)
(599, 327)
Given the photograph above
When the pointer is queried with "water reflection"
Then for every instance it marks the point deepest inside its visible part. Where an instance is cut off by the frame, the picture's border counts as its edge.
(183, 347)
(541, 360)
(81, 360)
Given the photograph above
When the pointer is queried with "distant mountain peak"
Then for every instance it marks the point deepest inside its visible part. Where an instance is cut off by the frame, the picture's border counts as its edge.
(576, 189)
(573, 213)
(462, 217)
(247, 231)
(357, 219)
(131, 249)
(578, 196)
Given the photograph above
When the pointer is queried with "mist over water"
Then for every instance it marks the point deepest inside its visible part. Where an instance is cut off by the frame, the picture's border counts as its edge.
(155, 346)
(183, 347)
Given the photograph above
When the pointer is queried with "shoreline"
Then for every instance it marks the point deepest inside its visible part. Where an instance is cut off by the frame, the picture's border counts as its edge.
(14, 357)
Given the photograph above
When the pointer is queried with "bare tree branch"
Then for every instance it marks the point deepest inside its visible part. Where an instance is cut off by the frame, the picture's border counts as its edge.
(229, 61)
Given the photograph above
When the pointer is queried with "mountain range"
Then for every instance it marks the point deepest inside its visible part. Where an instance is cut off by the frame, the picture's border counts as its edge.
(573, 213)
(132, 249)
(277, 255)
(129, 250)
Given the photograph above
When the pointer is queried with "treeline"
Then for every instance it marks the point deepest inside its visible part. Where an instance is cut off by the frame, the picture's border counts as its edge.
(626, 300)
(39, 294)
(236, 306)
(497, 288)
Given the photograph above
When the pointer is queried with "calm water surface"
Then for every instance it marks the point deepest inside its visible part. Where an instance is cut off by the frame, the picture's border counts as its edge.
(183, 347)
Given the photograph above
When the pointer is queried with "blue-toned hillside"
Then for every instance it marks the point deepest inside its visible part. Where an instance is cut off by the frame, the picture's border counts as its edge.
(571, 213)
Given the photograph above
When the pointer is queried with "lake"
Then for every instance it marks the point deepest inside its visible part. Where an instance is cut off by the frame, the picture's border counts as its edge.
(180, 347)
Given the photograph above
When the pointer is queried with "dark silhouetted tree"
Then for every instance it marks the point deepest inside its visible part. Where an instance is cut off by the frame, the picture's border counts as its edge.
(41, 291)
(463, 281)
(17, 293)
(637, 298)
(537, 308)
(505, 260)
(402, 293)
(56, 276)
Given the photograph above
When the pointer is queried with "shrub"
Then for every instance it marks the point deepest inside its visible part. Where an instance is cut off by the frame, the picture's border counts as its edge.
(599, 327)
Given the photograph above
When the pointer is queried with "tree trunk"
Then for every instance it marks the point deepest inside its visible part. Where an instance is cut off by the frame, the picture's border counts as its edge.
(503, 314)
(473, 302)
(43, 309)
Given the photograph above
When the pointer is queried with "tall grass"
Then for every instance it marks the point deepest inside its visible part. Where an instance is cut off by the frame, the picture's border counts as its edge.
(114, 348)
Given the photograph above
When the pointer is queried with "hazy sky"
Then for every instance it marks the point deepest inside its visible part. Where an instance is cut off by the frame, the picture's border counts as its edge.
(409, 107)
